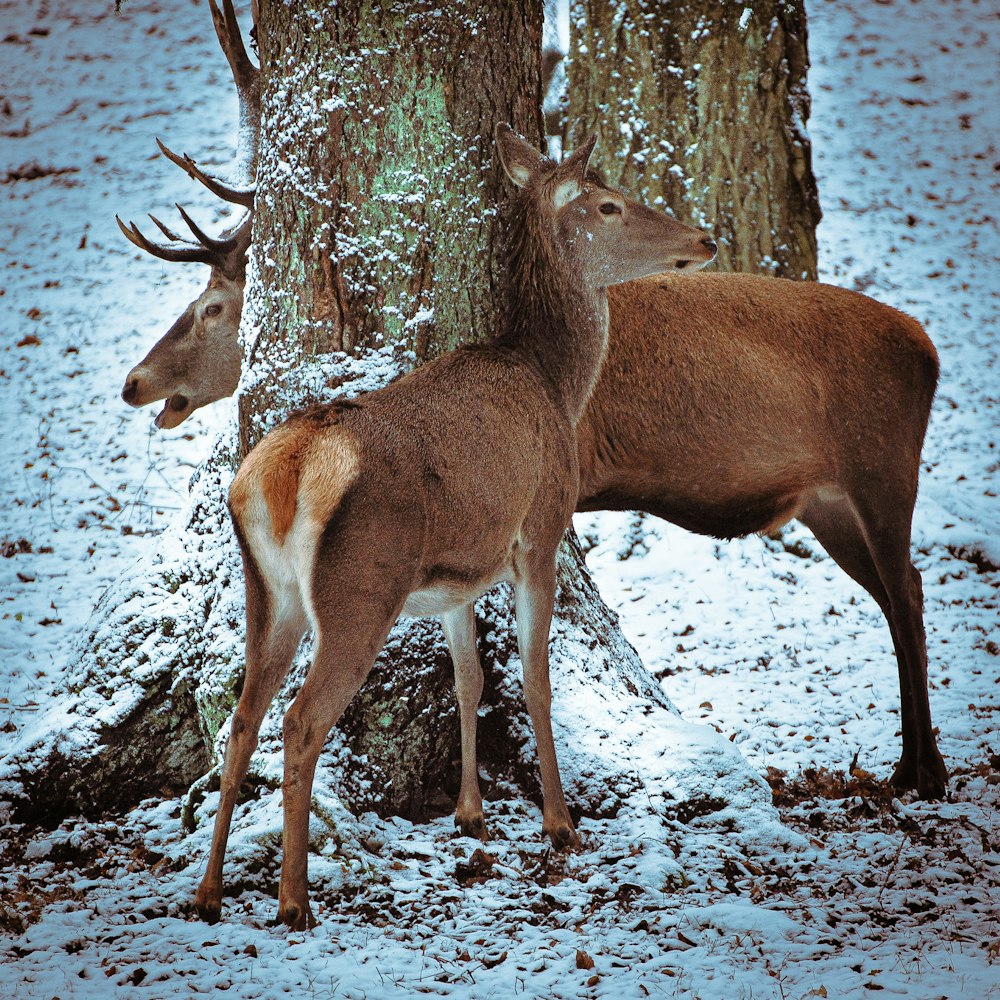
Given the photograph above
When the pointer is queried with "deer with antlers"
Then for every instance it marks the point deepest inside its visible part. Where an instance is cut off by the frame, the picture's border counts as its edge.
(728, 404)
(416, 498)
(198, 360)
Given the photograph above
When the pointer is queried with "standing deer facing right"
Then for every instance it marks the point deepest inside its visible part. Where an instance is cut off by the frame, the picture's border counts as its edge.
(417, 498)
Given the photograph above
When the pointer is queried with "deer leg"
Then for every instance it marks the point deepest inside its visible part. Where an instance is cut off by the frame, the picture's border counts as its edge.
(460, 631)
(344, 658)
(878, 559)
(920, 765)
(270, 646)
(534, 595)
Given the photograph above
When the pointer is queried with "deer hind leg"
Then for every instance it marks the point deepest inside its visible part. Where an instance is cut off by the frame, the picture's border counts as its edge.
(534, 595)
(460, 631)
(350, 630)
(874, 549)
(272, 640)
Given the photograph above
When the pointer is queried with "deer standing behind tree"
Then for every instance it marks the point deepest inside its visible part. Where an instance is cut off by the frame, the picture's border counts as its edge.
(198, 359)
(417, 498)
(726, 404)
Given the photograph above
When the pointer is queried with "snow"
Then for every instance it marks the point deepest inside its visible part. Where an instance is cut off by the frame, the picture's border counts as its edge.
(771, 650)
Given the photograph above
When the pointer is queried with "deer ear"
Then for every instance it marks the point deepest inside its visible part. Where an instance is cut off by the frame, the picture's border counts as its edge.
(572, 173)
(519, 158)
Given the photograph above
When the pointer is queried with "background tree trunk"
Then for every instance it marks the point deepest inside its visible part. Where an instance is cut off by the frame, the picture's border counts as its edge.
(701, 108)
(375, 233)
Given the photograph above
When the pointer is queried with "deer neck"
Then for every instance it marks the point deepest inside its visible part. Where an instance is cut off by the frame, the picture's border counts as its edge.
(553, 319)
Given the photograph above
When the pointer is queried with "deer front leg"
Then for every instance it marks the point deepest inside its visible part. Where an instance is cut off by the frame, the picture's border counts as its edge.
(534, 594)
(460, 631)
(921, 765)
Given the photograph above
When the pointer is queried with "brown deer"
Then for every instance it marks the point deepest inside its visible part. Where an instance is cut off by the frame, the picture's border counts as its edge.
(417, 498)
(198, 360)
(730, 404)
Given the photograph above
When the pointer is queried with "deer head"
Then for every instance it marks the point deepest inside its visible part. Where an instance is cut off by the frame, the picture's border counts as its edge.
(198, 360)
(613, 238)
(570, 238)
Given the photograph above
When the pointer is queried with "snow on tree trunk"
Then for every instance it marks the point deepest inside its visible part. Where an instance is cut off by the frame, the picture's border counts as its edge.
(702, 108)
(374, 235)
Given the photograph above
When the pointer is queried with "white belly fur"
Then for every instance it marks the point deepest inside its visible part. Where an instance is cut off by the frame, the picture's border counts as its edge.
(440, 598)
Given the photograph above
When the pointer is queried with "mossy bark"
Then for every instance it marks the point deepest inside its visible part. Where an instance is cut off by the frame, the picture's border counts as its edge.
(701, 107)
(379, 190)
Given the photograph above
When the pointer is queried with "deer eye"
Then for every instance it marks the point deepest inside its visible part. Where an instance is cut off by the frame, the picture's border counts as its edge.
(610, 208)
(213, 310)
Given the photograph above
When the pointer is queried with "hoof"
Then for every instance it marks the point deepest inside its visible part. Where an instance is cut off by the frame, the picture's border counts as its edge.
(297, 918)
(475, 826)
(563, 837)
(208, 907)
(929, 778)
(904, 777)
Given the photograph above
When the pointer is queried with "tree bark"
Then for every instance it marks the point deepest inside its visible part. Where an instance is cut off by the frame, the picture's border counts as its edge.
(378, 187)
(375, 231)
(701, 108)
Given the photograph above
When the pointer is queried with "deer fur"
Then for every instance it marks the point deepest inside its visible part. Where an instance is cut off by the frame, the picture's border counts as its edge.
(417, 498)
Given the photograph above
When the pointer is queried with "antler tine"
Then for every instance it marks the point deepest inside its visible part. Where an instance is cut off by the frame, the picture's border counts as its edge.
(237, 195)
(220, 247)
(198, 254)
(228, 30)
(243, 232)
(169, 233)
(247, 79)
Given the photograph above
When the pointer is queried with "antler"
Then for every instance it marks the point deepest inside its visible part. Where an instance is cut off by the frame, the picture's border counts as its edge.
(226, 253)
(239, 195)
(189, 252)
(229, 251)
(246, 76)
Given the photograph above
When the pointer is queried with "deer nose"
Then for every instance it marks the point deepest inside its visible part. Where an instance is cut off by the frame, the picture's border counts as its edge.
(711, 246)
(130, 390)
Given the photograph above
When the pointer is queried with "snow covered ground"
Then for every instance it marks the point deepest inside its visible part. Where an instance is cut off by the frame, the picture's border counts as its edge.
(772, 646)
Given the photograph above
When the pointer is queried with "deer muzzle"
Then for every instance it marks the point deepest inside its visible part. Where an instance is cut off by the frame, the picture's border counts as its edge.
(139, 390)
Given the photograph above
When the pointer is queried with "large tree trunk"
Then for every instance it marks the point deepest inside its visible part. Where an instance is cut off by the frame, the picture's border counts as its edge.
(701, 108)
(379, 187)
(375, 228)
